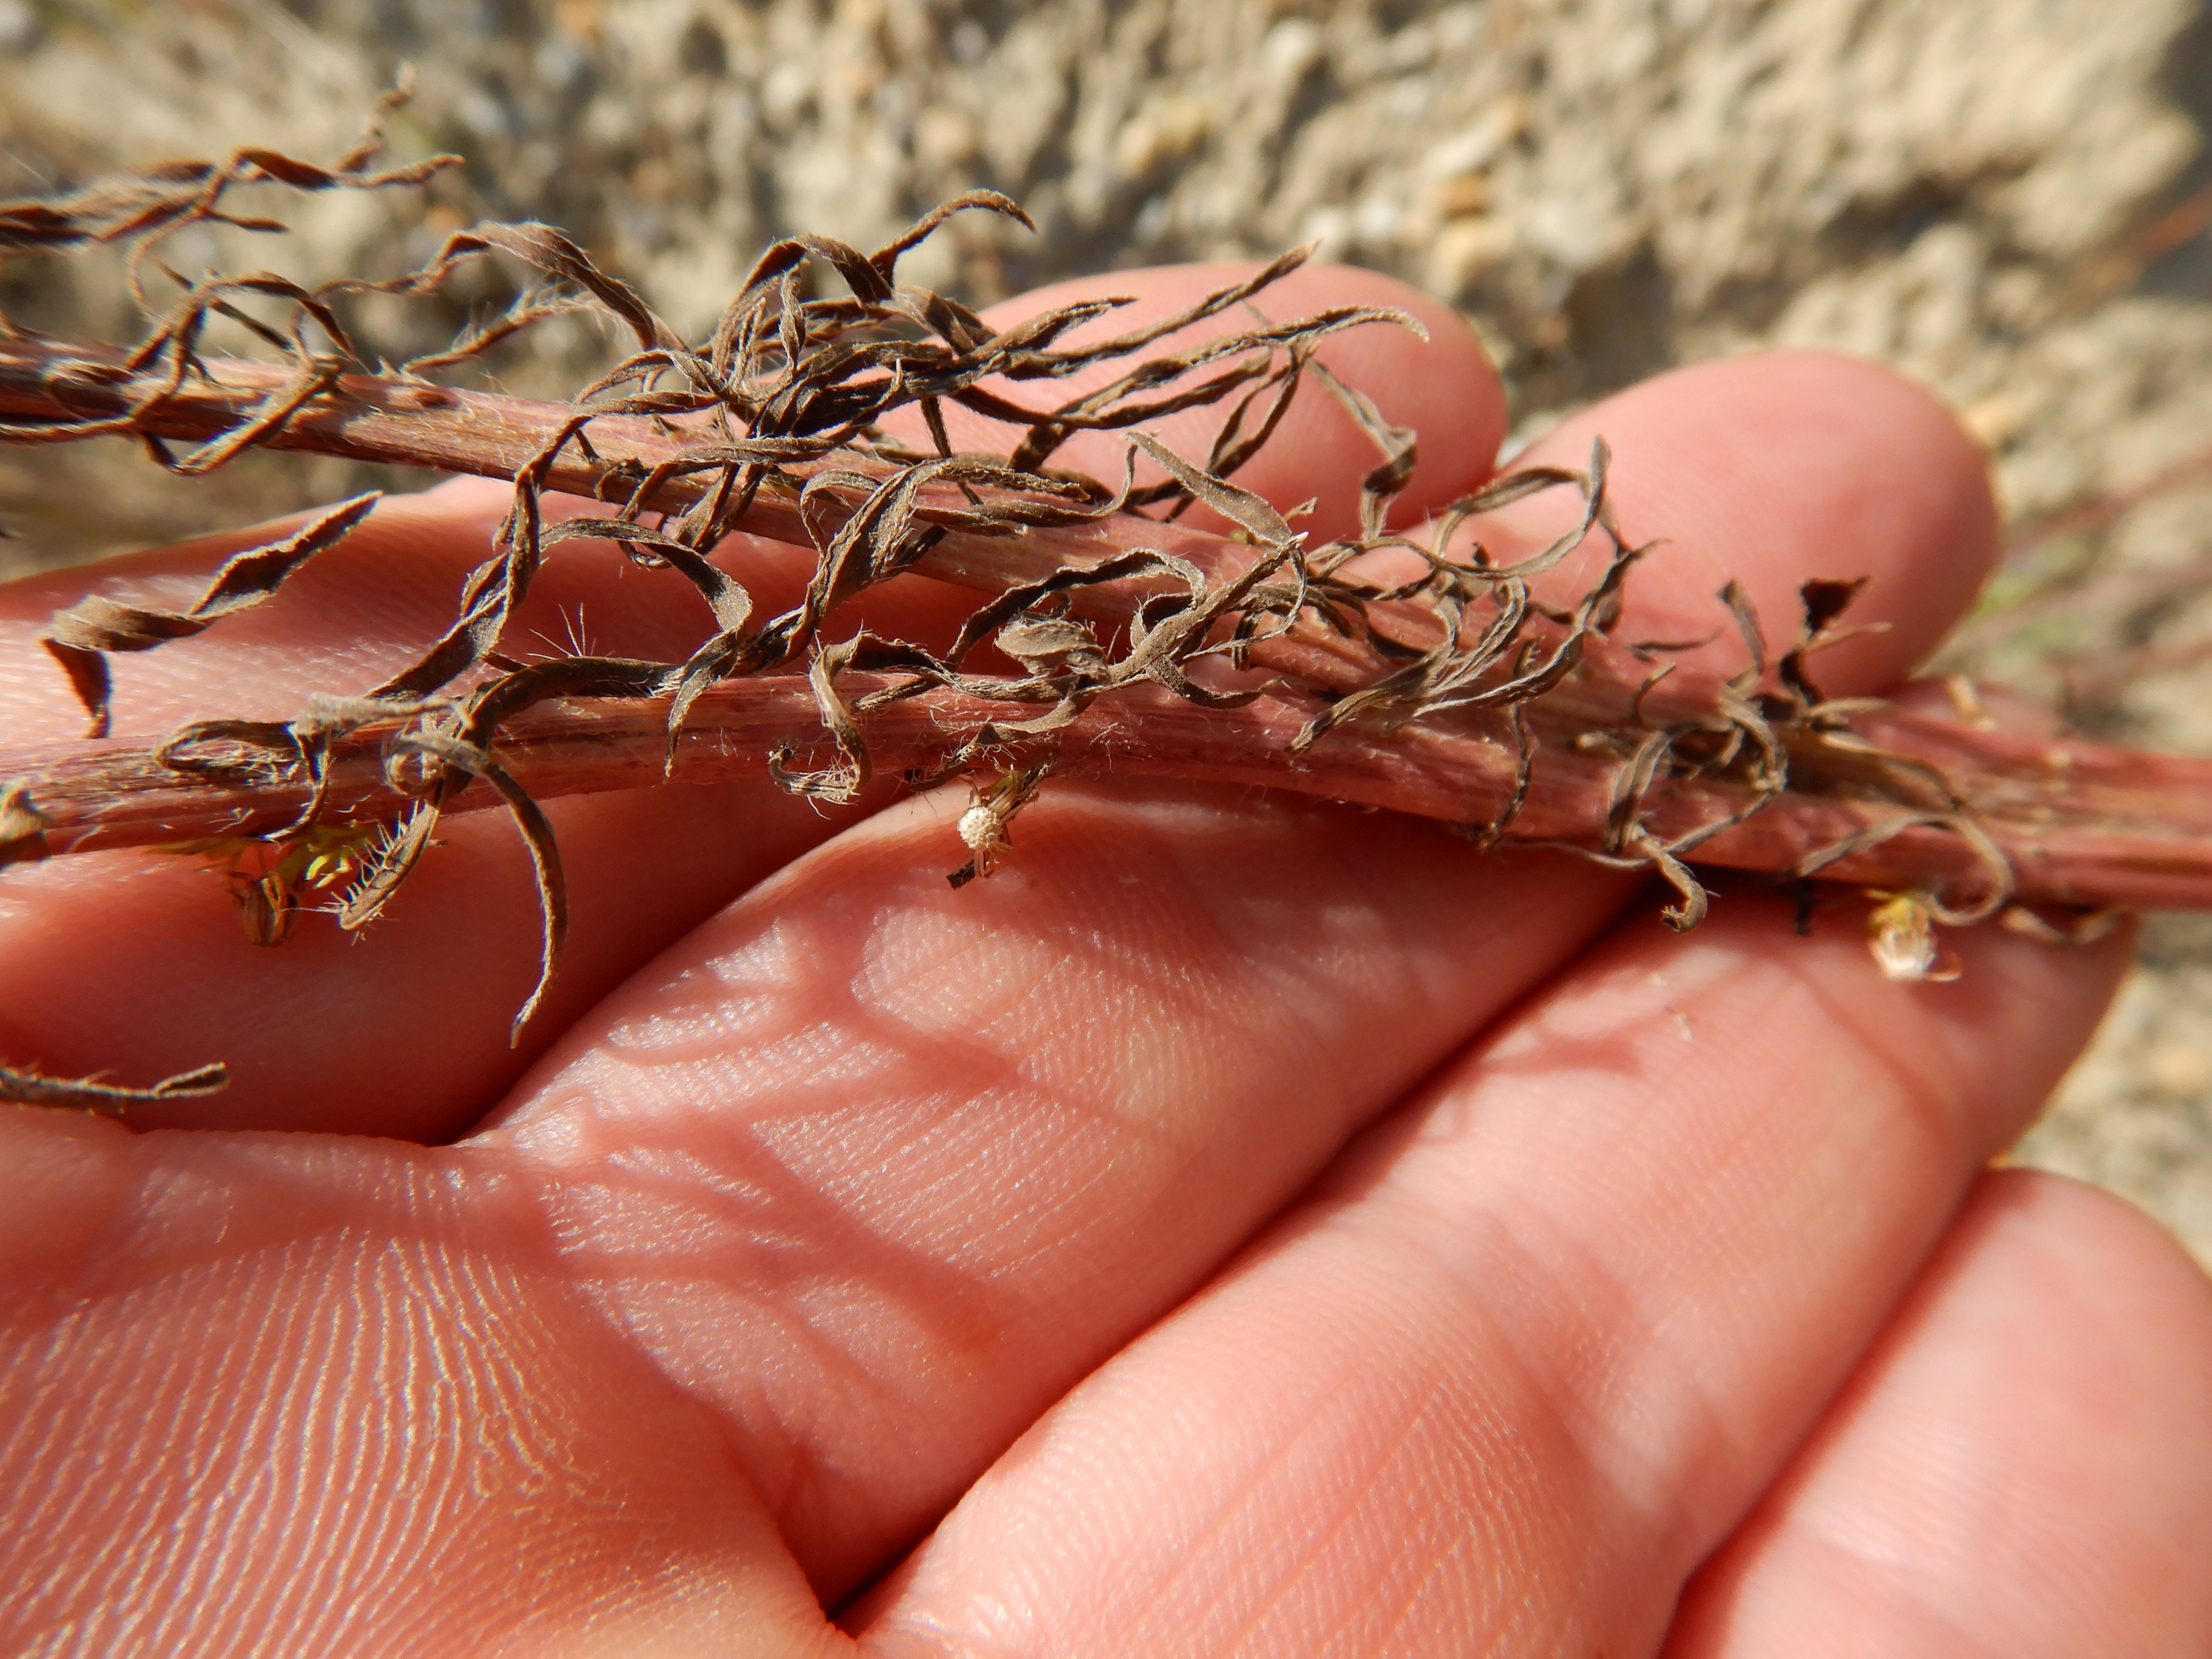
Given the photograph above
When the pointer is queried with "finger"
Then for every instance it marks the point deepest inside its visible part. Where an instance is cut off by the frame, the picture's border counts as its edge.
(330, 1398)
(1768, 470)
(1536, 1347)
(1030, 1114)
(2023, 1465)
(879, 1167)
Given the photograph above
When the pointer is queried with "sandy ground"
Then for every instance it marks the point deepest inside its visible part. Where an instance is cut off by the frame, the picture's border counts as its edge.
(2002, 198)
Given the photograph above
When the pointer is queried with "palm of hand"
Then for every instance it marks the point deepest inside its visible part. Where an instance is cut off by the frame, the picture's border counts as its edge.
(1236, 1225)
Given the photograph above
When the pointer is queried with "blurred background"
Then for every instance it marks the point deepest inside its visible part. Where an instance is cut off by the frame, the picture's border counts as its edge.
(2007, 199)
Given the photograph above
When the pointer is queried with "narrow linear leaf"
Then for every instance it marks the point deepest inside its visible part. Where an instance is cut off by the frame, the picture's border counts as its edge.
(30, 1088)
(78, 638)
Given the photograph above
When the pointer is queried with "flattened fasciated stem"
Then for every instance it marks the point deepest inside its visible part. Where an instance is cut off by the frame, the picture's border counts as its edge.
(2081, 824)
(1459, 697)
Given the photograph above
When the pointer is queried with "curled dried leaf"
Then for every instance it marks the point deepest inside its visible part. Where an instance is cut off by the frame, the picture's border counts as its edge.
(26, 1087)
(23, 826)
(79, 637)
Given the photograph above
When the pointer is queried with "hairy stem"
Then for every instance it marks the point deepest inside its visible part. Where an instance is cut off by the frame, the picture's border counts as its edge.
(410, 422)
(2078, 823)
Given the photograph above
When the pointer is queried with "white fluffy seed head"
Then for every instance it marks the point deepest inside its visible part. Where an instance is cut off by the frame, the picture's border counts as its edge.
(979, 827)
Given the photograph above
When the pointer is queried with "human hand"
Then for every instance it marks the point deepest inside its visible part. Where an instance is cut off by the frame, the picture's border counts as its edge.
(1239, 1226)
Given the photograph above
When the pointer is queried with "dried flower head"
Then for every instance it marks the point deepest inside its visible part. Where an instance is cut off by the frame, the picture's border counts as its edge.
(987, 825)
(1901, 934)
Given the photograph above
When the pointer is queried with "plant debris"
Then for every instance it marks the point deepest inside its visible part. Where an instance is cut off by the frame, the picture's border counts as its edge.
(1901, 934)
(987, 823)
(80, 637)
(31, 1088)
(1540, 724)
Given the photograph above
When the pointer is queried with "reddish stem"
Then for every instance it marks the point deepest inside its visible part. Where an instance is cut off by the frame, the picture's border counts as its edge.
(2080, 823)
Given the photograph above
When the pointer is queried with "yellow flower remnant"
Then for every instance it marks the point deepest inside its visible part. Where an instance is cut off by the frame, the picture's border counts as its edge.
(265, 877)
(1901, 934)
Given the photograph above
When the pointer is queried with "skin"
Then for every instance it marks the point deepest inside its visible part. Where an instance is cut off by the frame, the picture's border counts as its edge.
(1239, 1226)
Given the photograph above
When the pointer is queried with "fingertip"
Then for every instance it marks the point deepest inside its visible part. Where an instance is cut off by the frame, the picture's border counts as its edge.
(2092, 1265)
(1774, 469)
(2026, 1453)
(1444, 386)
(463, 494)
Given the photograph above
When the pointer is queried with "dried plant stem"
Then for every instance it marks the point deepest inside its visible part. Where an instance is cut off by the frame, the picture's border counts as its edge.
(46, 384)
(1137, 644)
(2080, 823)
